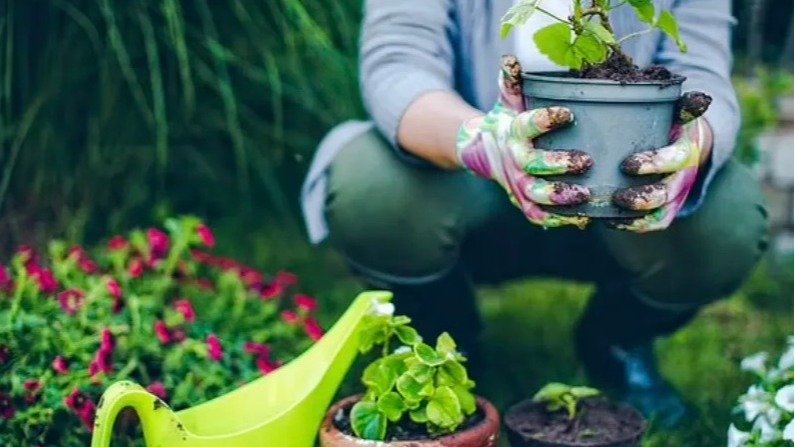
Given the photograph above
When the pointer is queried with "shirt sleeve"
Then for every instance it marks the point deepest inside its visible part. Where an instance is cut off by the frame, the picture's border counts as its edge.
(706, 26)
(405, 52)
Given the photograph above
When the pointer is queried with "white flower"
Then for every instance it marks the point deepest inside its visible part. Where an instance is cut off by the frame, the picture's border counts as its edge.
(737, 437)
(756, 363)
(383, 309)
(788, 431)
(784, 398)
(755, 402)
(767, 431)
(787, 358)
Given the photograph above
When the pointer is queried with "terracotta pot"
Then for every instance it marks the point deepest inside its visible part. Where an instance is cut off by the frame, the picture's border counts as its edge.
(485, 434)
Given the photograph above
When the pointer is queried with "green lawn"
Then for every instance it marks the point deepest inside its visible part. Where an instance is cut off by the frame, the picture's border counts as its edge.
(528, 332)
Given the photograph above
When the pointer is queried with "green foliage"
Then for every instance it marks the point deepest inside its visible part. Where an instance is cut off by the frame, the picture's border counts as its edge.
(121, 113)
(416, 382)
(758, 97)
(578, 41)
(153, 307)
(558, 396)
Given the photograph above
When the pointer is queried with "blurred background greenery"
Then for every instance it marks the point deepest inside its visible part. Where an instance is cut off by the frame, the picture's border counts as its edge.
(116, 114)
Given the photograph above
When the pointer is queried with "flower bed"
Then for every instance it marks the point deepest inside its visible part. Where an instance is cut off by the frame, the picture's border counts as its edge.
(154, 307)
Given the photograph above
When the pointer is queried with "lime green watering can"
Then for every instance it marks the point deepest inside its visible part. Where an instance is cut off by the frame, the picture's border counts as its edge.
(281, 409)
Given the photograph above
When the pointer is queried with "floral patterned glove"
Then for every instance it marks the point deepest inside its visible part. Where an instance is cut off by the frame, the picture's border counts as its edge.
(680, 160)
(499, 147)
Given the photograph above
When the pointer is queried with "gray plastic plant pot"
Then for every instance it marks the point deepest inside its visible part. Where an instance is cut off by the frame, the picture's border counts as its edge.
(611, 121)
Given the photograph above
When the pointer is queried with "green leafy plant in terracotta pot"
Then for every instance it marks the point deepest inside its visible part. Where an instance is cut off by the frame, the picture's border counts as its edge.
(560, 415)
(619, 109)
(415, 394)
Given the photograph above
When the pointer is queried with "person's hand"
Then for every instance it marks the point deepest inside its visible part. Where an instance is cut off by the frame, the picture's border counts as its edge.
(691, 136)
(499, 146)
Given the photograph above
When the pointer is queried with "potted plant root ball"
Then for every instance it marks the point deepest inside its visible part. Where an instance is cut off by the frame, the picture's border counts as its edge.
(565, 416)
(414, 395)
(618, 108)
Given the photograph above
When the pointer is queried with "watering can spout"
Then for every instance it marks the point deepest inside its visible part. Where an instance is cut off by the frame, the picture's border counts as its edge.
(281, 409)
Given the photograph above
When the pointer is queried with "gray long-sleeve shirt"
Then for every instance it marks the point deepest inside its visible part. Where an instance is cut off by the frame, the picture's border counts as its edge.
(412, 47)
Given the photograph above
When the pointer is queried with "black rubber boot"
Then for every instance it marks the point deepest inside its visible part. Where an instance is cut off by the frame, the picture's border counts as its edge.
(444, 305)
(615, 342)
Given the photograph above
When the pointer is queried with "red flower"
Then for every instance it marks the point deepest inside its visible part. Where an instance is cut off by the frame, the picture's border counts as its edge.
(82, 406)
(162, 332)
(266, 365)
(185, 307)
(290, 317)
(45, 280)
(83, 261)
(27, 255)
(215, 350)
(158, 389)
(280, 283)
(7, 409)
(206, 235)
(158, 243)
(60, 365)
(258, 349)
(251, 278)
(136, 268)
(5, 354)
(71, 300)
(178, 334)
(106, 341)
(117, 243)
(103, 361)
(114, 289)
(32, 391)
(6, 281)
(313, 329)
(305, 303)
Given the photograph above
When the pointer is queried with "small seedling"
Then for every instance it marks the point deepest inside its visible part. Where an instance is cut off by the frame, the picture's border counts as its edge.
(558, 396)
(586, 37)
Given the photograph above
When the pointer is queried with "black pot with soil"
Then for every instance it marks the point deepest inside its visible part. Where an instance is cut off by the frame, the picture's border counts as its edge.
(598, 423)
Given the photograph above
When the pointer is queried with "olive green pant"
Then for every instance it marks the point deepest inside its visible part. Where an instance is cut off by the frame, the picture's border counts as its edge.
(400, 224)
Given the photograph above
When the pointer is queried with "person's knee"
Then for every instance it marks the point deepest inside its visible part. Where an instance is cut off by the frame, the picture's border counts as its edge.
(379, 217)
(706, 256)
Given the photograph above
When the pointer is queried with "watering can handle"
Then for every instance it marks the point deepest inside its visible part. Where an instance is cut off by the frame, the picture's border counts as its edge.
(154, 414)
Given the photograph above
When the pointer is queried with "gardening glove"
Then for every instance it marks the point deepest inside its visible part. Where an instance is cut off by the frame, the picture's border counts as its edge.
(499, 147)
(680, 160)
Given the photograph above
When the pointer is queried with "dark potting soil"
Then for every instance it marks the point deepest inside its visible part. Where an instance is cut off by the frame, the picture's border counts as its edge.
(619, 67)
(598, 422)
(406, 430)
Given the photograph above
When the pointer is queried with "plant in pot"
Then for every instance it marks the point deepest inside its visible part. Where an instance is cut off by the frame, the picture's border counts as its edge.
(619, 109)
(573, 416)
(415, 394)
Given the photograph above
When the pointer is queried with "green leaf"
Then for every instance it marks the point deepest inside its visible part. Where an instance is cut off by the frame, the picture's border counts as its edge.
(452, 373)
(373, 331)
(444, 410)
(644, 9)
(551, 392)
(391, 404)
(419, 415)
(380, 375)
(582, 392)
(555, 41)
(667, 24)
(517, 15)
(465, 398)
(408, 335)
(400, 320)
(600, 32)
(445, 345)
(428, 355)
(421, 372)
(367, 421)
(412, 390)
